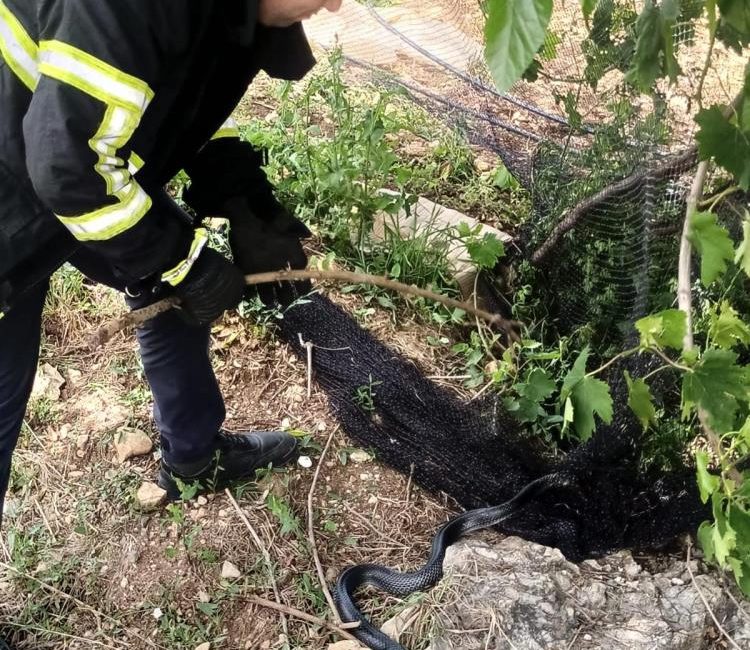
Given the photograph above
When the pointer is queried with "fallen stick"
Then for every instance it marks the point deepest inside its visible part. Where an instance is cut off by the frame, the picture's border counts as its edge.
(139, 316)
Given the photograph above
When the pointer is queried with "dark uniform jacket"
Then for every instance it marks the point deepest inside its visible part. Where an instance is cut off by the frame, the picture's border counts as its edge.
(102, 102)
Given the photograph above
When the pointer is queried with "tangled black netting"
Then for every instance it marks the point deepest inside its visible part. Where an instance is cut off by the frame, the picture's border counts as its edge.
(477, 453)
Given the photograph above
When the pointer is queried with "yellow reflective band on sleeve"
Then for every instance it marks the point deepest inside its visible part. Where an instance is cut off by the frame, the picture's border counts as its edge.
(109, 222)
(126, 98)
(94, 77)
(229, 129)
(2, 315)
(18, 49)
(179, 272)
(135, 163)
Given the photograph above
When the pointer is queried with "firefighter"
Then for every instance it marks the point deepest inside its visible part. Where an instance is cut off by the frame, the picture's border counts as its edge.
(102, 103)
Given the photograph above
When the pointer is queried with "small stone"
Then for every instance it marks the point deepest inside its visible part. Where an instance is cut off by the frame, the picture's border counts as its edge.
(82, 441)
(372, 500)
(124, 583)
(365, 476)
(130, 443)
(229, 571)
(322, 426)
(344, 645)
(203, 646)
(678, 582)
(286, 423)
(150, 496)
(202, 501)
(204, 597)
(305, 461)
(157, 613)
(587, 637)
(74, 377)
(360, 456)
(47, 383)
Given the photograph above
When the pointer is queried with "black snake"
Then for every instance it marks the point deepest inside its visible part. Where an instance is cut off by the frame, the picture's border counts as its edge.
(403, 584)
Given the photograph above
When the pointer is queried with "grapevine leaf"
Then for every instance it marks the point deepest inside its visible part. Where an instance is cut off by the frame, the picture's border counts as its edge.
(707, 483)
(706, 539)
(654, 50)
(588, 396)
(742, 257)
(665, 329)
(485, 252)
(588, 7)
(724, 536)
(514, 32)
(640, 400)
(722, 140)
(716, 385)
(538, 386)
(728, 329)
(713, 243)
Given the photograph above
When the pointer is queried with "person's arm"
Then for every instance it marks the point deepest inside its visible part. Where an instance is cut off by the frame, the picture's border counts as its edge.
(99, 63)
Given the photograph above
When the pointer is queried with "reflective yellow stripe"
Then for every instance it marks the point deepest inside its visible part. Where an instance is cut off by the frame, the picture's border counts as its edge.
(178, 273)
(229, 129)
(126, 99)
(112, 220)
(18, 49)
(94, 77)
(135, 163)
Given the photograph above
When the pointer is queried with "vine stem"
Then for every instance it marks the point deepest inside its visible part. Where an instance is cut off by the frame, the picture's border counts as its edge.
(685, 294)
(139, 316)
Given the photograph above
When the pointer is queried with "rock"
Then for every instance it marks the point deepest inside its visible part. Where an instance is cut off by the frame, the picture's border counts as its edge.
(203, 646)
(150, 496)
(130, 443)
(99, 412)
(345, 645)
(305, 462)
(540, 599)
(229, 571)
(47, 383)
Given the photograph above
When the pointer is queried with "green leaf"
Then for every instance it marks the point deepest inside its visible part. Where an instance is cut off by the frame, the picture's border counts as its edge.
(716, 385)
(728, 329)
(514, 33)
(724, 537)
(707, 483)
(663, 330)
(588, 397)
(742, 257)
(209, 609)
(485, 252)
(706, 539)
(640, 400)
(588, 7)
(654, 51)
(720, 139)
(713, 243)
(537, 388)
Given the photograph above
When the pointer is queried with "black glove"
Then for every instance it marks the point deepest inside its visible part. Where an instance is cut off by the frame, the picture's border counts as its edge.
(272, 243)
(212, 286)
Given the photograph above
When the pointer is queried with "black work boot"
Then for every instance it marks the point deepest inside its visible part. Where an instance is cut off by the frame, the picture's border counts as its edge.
(236, 457)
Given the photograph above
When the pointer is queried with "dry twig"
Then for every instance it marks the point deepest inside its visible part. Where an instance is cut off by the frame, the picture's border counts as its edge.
(264, 552)
(139, 316)
(731, 641)
(311, 532)
(284, 609)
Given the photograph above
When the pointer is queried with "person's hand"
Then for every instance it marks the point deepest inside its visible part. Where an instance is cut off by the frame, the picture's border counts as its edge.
(271, 243)
(212, 286)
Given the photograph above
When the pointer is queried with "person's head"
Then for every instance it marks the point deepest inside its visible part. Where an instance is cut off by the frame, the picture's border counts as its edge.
(282, 13)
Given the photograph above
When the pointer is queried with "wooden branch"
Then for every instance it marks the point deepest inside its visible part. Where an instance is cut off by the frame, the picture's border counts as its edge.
(139, 316)
(291, 611)
(675, 165)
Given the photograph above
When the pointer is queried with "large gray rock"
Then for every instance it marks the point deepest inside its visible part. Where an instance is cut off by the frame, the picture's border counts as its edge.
(511, 594)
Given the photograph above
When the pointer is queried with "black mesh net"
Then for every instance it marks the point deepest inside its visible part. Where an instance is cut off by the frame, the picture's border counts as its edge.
(478, 454)
(608, 175)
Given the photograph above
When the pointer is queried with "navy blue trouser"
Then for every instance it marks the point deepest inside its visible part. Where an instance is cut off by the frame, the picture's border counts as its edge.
(188, 406)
